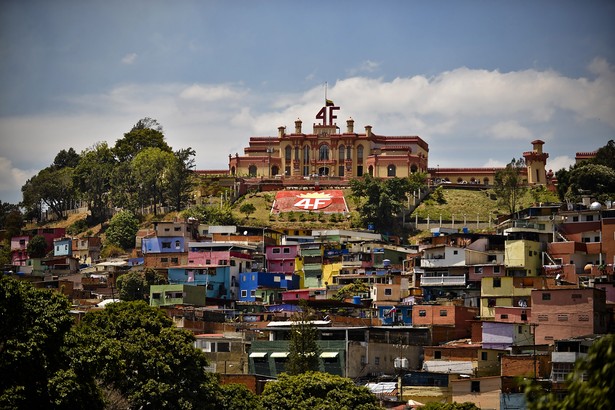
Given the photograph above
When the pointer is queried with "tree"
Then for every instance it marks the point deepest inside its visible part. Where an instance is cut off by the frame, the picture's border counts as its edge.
(66, 159)
(247, 209)
(122, 230)
(315, 390)
(146, 133)
(384, 199)
(238, 397)
(509, 185)
(37, 367)
(304, 353)
(11, 219)
(37, 247)
(352, 289)
(150, 167)
(53, 187)
(592, 179)
(132, 286)
(590, 385)
(180, 178)
(136, 350)
(92, 178)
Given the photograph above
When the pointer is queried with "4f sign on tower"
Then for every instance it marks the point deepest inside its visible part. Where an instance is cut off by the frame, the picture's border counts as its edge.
(326, 113)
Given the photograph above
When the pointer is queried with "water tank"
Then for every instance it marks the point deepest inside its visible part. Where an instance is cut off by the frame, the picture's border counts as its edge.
(465, 229)
(595, 206)
(356, 300)
(401, 363)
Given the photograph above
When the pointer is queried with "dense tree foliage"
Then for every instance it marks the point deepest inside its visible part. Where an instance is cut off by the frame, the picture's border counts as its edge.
(136, 350)
(238, 397)
(92, 179)
(211, 214)
(122, 230)
(11, 219)
(37, 247)
(146, 133)
(384, 199)
(247, 209)
(590, 385)
(135, 285)
(315, 390)
(51, 187)
(304, 353)
(149, 167)
(181, 179)
(594, 177)
(509, 185)
(38, 370)
(66, 159)
(357, 287)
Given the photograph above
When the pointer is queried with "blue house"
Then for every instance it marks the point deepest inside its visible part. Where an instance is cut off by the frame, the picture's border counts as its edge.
(163, 244)
(265, 286)
(217, 279)
(63, 247)
(400, 315)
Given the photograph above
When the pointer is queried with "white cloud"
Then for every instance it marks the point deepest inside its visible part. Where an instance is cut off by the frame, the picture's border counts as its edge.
(366, 66)
(510, 130)
(11, 181)
(129, 59)
(560, 162)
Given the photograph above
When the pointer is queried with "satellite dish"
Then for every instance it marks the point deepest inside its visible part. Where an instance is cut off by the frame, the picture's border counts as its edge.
(245, 233)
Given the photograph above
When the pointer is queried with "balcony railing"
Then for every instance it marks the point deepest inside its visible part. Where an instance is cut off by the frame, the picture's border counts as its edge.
(458, 280)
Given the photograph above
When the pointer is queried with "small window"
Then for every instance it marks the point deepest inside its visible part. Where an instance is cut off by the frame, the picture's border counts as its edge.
(164, 259)
(546, 296)
(376, 360)
(388, 291)
(155, 295)
(286, 250)
(497, 282)
(503, 316)
(174, 260)
(422, 313)
(253, 293)
(524, 316)
(166, 245)
(543, 318)
(437, 354)
(244, 293)
(223, 347)
(496, 269)
(484, 356)
(443, 312)
(562, 317)
(520, 329)
(275, 250)
(455, 252)
(478, 269)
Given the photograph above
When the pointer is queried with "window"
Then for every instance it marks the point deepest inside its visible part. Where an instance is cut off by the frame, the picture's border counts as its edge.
(422, 313)
(360, 154)
(497, 282)
(443, 312)
(543, 318)
(583, 317)
(388, 291)
(455, 252)
(275, 250)
(177, 245)
(484, 356)
(496, 269)
(166, 245)
(524, 316)
(323, 153)
(437, 354)
(475, 386)
(164, 259)
(391, 170)
(503, 316)
(253, 293)
(491, 302)
(342, 150)
(177, 228)
(562, 317)
(286, 250)
(287, 153)
(155, 295)
(546, 296)
(244, 293)
(478, 269)
(376, 360)
(174, 260)
(520, 329)
(589, 218)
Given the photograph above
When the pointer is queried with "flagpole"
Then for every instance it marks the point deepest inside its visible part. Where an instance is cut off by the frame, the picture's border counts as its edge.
(325, 93)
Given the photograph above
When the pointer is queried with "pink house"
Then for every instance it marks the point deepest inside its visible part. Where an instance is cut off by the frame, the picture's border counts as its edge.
(282, 258)
(564, 313)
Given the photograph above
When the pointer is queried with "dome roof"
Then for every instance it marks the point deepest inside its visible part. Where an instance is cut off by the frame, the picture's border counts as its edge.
(595, 206)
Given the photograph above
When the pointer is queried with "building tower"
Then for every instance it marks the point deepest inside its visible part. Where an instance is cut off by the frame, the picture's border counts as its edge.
(536, 162)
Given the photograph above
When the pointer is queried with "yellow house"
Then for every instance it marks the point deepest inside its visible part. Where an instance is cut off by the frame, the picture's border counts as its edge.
(522, 257)
(506, 291)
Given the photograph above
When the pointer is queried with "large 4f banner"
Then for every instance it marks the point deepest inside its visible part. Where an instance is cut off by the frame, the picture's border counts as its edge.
(328, 201)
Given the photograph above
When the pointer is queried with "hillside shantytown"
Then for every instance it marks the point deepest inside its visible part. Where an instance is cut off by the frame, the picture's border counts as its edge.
(464, 313)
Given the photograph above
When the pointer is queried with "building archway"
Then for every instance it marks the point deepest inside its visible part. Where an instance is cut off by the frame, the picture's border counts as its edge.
(413, 168)
(275, 170)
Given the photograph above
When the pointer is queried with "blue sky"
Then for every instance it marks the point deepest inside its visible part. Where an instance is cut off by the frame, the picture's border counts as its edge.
(478, 80)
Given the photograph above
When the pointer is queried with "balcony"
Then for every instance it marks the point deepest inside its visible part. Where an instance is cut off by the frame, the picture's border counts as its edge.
(566, 357)
(442, 280)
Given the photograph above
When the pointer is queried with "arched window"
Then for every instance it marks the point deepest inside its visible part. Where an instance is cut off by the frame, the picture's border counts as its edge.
(370, 170)
(323, 153)
(342, 152)
(275, 170)
(252, 170)
(391, 170)
(413, 168)
(360, 153)
(306, 160)
(287, 153)
(348, 152)
(486, 181)
(232, 170)
(297, 153)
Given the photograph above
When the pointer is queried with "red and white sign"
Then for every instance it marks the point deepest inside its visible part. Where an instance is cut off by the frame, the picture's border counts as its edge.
(330, 201)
